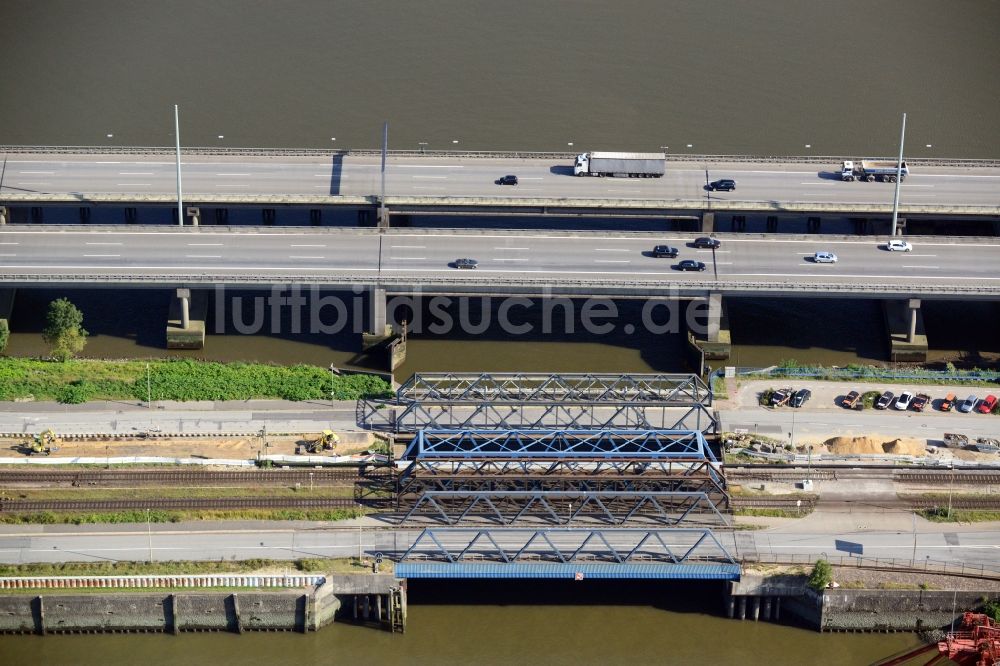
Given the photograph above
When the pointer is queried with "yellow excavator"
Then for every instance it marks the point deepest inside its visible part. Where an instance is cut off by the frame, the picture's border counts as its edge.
(327, 441)
(41, 444)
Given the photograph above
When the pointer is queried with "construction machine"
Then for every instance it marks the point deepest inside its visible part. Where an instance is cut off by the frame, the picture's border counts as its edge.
(327, 441)
(40, 444)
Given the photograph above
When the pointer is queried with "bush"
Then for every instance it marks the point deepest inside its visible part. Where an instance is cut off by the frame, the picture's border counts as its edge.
(4, 334)
(992, 608)
(765, 397)
(821, 576)
(74, 393)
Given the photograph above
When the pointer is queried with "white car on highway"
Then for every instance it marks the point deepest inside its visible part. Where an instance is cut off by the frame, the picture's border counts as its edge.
(898, 246)
(824, 258)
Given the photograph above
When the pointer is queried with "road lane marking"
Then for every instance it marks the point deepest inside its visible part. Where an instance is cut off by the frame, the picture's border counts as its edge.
(31, 182)
(613, 249)
(232, 174)
(409, 258)
(923, 255)
(8, 255)
(205, 244)
(438, 177)
(294, 256)
(136, 173)
(133, 184)
(239, 185)
(919, 266)
(39, 173)
(424, 187)
(307, 245)
(612, 261)
(426, 166)
(101, 255)
(97, 243)
(9, 243)
(811, 183)
(496, 248)
(408, 247)
(203, 256)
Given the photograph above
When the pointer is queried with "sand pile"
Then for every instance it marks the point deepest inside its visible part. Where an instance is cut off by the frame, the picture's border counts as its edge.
(906, 446)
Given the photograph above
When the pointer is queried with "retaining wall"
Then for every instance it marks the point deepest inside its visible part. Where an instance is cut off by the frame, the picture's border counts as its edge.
(896, 610)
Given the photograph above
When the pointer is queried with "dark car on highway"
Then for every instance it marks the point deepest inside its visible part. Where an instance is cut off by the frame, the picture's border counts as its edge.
(723, 184)
(690, 265)
(706, 241)
(507, 180)
(884, 400)
(801, 397)
(665, 251)
(466, 263)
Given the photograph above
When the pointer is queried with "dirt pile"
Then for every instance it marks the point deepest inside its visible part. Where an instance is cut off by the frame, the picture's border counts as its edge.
(901, 446)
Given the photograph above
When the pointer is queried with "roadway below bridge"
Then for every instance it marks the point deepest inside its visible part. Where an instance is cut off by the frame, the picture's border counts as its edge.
(456, 179)
(616, 264)
(880, 535)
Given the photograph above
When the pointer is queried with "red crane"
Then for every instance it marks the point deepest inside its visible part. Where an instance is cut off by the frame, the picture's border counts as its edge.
(976, 643)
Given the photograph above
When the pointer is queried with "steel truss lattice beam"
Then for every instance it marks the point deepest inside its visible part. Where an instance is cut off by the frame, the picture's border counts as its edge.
(564, 507)
(560, 444)
(595, 475)
(660, 389)
(567, 545)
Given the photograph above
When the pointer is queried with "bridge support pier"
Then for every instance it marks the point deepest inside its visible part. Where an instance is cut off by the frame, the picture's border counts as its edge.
(194, 215)
(715, 343)
(905, 325)
(268, 216)
(131, 214)
(315, 216)
(4, 215)
(6, 307)
(183, 331)
(707, 222)
(381, 336)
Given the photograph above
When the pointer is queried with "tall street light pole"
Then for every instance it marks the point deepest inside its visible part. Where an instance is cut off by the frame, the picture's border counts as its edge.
(180, 198)
(899, 179)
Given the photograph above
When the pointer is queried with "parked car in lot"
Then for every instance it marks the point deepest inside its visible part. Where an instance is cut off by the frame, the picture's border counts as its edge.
(850, 400)
(987, 405)
(466, 263)
(706, 242)
(690, 265)
(801, 397)
(665, 251)
(723, 184)
(824, 258)
(898, 246)
(920, 401)
(948, 402)
(884, 400)
(966, 405)
(509, 179)
(904, 400)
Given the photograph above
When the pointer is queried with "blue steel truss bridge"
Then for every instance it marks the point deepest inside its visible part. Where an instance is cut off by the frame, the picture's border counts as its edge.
(567, 553)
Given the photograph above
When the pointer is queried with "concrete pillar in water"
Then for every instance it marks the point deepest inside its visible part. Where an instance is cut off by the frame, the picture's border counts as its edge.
(905, 325)
(777, 608)
(767, 609)
(756, 609)
(715, 342)
(185, 331)
(366, 608)
(742, 614)
(378, 607)
(731, 607)
(707, 222)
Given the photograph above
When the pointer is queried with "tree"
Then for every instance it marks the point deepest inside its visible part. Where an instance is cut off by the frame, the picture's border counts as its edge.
(64, 330)
(4, 334)
(821, 576)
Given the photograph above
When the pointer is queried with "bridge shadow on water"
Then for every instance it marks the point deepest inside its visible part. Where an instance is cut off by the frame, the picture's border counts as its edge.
(677, 596)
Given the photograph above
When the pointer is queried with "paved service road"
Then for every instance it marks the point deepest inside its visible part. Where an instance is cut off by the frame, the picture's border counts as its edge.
(879, 535)
(474, 177)
(363, 255)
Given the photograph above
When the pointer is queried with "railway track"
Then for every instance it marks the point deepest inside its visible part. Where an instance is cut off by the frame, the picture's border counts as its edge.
(174, 504)
(172, 477)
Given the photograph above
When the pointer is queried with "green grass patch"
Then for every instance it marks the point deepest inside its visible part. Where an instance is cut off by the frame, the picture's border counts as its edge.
(178, 379)
(157, 516)
(941, 515)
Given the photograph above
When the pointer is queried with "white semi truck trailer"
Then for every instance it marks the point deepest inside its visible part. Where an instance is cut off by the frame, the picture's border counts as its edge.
(623, 165)
(871, 170)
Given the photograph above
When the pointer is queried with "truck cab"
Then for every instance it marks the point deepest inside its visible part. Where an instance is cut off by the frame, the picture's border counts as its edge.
(847, 170)
(582, 165)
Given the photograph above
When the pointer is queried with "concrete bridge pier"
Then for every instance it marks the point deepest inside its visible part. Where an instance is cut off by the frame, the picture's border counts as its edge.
(716, 342)
(707, 222)
(4, 215)
(268, 215)
(315, 216)
(131, 215)
(6, 307)
(186, 321)
(905, 324)
(381, 335)
(194, 216)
